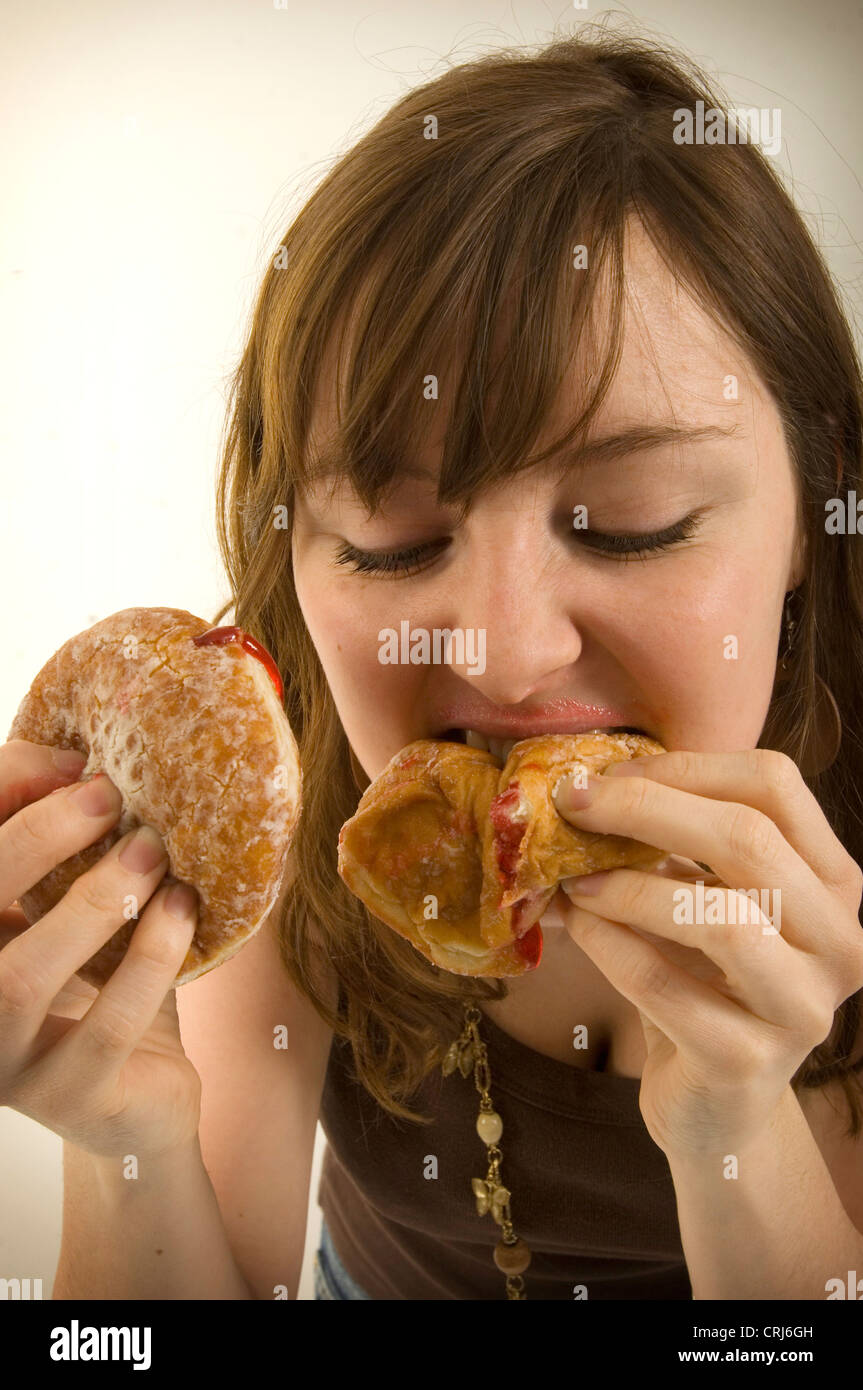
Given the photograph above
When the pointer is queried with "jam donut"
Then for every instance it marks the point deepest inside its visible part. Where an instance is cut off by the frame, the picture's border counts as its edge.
(187, 721)
(462, 857)
(531, 847)
(412, 852)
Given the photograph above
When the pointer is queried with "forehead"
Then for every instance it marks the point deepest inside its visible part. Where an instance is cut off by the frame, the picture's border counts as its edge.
(675, 349)
(679, 365)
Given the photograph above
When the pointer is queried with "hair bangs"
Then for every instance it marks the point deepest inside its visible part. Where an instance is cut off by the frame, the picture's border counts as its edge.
(469, 378)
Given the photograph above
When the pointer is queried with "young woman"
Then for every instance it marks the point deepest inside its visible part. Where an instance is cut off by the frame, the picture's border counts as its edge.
(525, 364)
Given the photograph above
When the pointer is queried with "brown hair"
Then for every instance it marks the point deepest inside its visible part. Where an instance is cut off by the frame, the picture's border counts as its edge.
(422, 240)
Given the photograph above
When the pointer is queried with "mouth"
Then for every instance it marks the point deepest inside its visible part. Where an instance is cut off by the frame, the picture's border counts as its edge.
(501, 748)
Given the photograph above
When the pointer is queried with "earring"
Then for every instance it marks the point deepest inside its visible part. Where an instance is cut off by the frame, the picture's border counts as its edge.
(788, 639)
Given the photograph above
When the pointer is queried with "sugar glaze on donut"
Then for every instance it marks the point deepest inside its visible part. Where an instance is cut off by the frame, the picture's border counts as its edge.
(195, 738)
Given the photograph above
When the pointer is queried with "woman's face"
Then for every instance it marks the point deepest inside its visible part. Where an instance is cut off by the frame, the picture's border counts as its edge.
(680, 642)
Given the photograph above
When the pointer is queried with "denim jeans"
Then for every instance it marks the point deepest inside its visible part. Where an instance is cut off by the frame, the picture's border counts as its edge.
(331, 1278)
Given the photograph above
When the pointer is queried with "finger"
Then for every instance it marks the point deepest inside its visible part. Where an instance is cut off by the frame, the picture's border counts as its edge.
(76, 996)
(766, 975)
(742, 845)
(130, 1001)
(47, 832)
(35, 966)
(766, 780)
(55, 1027)
(715, 1031)
(12, 923)
(29, 771)
(67, 1007)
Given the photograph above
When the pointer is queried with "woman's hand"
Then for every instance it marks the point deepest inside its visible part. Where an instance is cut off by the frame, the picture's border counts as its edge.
(729, 1012)
(105, 1068)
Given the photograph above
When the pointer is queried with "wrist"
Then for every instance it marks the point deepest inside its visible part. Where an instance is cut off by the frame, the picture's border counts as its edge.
(132, 1173)
(713, 1153)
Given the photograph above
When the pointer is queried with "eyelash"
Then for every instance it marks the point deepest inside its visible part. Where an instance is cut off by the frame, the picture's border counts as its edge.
(403, 563)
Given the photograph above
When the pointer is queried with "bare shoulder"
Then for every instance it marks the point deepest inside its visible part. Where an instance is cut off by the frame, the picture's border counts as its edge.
(254, 992)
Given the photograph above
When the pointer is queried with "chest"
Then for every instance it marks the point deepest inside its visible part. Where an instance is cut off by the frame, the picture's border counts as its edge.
(568, 1011)
(569, 1003)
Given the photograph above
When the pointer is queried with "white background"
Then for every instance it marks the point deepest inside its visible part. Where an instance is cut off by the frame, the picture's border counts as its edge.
(151, 155)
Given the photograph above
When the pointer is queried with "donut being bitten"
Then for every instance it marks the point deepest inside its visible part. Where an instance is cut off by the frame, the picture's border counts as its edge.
(414, 847)
(532, 845)
(462, 857)
(187, 721)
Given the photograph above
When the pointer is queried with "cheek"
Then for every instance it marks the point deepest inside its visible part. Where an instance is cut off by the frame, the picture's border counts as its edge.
(368, 694)
(344, 634)
(704, 656)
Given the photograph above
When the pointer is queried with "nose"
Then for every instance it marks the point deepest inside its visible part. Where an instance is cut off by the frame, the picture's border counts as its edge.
(518, 605)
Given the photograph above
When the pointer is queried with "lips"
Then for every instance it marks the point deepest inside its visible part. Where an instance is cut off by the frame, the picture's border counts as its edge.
(500, 748)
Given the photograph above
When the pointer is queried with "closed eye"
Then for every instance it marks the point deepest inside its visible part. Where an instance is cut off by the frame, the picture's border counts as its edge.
(620, 545)
(626, 543)
(393, 562)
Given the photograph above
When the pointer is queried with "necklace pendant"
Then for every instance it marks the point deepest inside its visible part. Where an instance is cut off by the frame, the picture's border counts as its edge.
(460, 1054)
(491, 1197)
(482, 1194)
(512, 1259)
(500, 1205)
(466, 1058)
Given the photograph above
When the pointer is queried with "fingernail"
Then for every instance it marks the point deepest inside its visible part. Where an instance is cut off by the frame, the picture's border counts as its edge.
(572, 791)
(633, 767)
(181, 902)
(67, 761)
(144, 851)
(587, 884)
(98, 796)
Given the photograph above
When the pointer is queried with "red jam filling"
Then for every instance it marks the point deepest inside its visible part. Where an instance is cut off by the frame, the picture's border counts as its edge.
(220, 636)
(529, 946)
(508, 833)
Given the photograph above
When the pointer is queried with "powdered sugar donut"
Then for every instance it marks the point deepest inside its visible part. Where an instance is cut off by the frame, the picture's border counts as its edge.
(187, 721)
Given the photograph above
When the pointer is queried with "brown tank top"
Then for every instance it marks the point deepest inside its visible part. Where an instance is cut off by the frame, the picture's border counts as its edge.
(592, 1193)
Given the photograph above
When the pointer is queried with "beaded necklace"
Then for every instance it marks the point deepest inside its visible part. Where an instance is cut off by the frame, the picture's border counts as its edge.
(468, 1053)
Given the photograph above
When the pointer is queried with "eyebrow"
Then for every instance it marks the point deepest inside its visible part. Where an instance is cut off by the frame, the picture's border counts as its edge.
(638, 439)
(642, 439)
